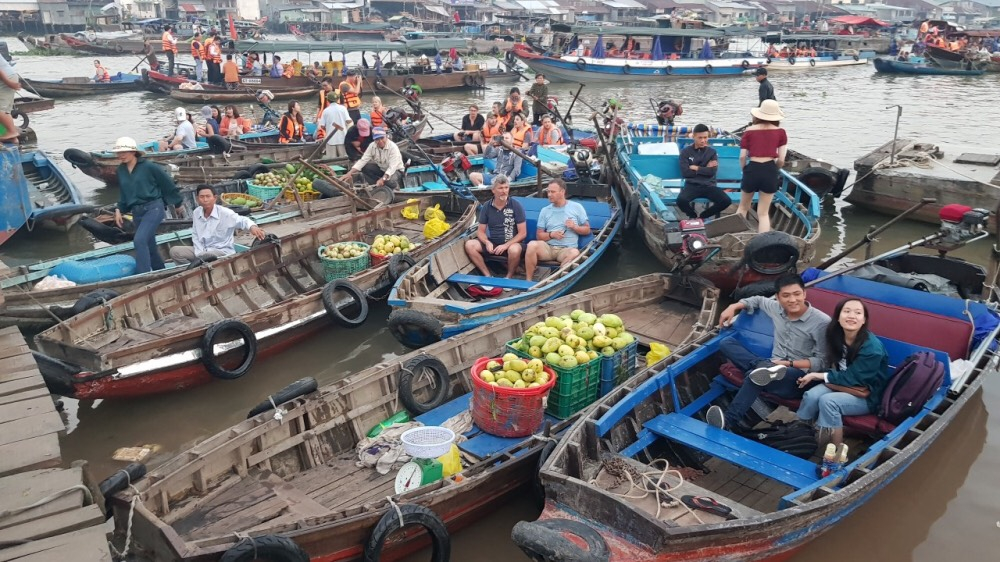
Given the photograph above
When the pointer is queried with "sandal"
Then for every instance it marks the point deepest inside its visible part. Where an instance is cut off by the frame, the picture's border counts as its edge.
(705, 503)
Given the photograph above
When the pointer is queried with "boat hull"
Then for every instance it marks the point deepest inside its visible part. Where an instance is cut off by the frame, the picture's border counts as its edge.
(885, 65)
(160, 82)
(60, 89)
(817, 63)
(226, 96)
(582, 69)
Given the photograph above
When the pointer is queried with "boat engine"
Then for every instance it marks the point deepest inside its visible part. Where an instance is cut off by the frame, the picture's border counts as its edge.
(457, 161)
(687, 239)
(552, 103)
(959, 223)
(667, 110)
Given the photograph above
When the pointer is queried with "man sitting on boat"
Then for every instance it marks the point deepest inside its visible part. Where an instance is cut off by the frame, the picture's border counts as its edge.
(699, 163)
(505, 162)
(276, 68)
(486, 134)
(270, 117)
(502, 228)
(513, 106)
(184, 136)
(381, 164)
(101, 74)
(471, 125)
(213, 227)
(799, 347)
(560, 226)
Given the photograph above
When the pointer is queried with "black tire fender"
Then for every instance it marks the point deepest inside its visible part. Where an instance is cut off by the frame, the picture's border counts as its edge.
(258, 169)
(439, 379)
(546, 540)
(709, 69)
(627, 69)
(184, 72)
(94, 298)
(768, 59)
(298, 388)
(208, 342)
(79, 158)
(219, 144)
(118, 482)
(841, 182)
(268, 547)
(268, 239)
(326, 188)
(632, 211)
(812, 62)
(581, 64)
(668, 69)
(857, 58)
(771, 253)
(413, 328)
(119, 48)
(536, 483)
(411, 514)
(383, 195)
(242, 175)
(494, 50)
(399, 264)
(469, 81)
(330, 303)
(791, 60)
(745, 64)
(15, 113)
(758, 289)
(380, 84)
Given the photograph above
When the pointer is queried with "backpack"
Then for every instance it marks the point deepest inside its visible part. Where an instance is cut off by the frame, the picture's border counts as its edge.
(797, 438)
(916, 379)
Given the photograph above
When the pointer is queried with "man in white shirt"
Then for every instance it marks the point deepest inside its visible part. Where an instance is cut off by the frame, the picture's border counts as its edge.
(184, 136)
(335, 121)
(213, 228)
(381, 164)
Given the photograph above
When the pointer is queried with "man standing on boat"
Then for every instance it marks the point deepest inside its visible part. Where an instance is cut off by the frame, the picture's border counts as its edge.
(214, 60)
(213, 227)
(381, 164)
(502, 228)
(560, 226)
(539, 93)
(334, 123)
(196, 52)
(766, 90)
(699, 163)
(169, 44)
(799, 348)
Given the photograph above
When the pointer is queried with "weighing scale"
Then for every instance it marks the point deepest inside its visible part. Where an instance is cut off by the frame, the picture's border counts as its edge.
(417, 473)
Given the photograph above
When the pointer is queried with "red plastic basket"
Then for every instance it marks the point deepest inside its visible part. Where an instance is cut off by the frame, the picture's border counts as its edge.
(508, 412)
(378, 259)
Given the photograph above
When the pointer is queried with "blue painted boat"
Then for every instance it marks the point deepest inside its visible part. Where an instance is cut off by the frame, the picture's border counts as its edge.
(728, 251)
(920, 66)
(776, 502)
(431, 301)
(72, 87)
(36, 193)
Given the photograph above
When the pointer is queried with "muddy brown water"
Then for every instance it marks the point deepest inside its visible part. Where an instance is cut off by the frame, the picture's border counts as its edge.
(943, 507)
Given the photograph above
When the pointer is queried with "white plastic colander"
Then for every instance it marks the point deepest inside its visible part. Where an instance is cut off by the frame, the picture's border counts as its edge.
(428, 442)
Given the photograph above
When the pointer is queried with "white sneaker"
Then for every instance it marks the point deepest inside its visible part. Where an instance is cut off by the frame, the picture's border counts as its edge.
(764, 375)
(715, 417)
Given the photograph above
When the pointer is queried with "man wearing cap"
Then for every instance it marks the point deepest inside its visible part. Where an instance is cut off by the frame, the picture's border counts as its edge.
(270, 117)
(184, 136)
(766, 90)
(357, 139)
(334, 122)
(381, 164)
(213, 227)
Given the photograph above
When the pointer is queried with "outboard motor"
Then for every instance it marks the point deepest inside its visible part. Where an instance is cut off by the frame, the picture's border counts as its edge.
(688, 239)
(667, 110)
(960, 224)
(581, 159)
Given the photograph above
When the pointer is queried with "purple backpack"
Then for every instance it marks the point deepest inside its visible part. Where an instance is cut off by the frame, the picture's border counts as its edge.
(916, 379)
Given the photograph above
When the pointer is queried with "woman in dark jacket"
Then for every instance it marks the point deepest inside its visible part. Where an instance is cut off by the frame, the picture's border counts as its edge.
(145, 189)
(860, 373)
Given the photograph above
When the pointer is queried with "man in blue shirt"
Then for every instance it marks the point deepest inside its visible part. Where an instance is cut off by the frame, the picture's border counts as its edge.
(502, 228)
(699, 163)
(560, 226)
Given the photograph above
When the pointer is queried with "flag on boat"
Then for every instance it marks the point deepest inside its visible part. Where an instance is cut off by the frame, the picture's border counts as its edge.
(232, 28)
(598, 52)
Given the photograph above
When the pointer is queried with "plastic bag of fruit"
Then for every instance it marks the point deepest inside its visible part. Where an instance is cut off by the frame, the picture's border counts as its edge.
(434, 228)
(657, 352)
(434, 212)
(412, 209)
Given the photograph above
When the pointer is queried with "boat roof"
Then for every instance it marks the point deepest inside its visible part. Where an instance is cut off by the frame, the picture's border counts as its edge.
(439, 43)
(646, 31)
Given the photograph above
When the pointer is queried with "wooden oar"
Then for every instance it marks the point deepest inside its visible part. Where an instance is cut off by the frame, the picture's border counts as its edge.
(407, 100)
(869, 237)
(336, 182)
(569, 110)
(513, 69)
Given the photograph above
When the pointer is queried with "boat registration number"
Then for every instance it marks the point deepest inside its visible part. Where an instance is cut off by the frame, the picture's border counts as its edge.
(250, 80)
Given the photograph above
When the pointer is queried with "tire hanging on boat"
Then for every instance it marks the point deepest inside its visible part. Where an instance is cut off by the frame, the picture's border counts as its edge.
(409, 514)
(379, 84)
(708, 69)
(119, 48)
(469, 81)
(399, 264)
(745, 64)
(758, 289)
(771, 253)
(15, 113)
(627, 69)
(812, 62)
(581, 64)
(439, 379)
(413, 328)
(208, 342)
(632, 206)
(268, 547)
(298, 388)
(668, 69)
(495, 50)
(536, 482)
(856, 57)
(480, 81)
(79, 158)
(119, 481)
(330, 303)
(546, 540)
(791, 60)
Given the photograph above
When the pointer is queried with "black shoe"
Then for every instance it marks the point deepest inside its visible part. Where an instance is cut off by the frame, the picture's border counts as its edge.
(715, 417)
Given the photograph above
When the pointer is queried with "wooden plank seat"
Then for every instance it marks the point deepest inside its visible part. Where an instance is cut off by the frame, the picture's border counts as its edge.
(766, 461)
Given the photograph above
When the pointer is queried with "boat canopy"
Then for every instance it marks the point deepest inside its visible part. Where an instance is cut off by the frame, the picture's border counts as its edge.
(414, 45)
(858, 20)
(647, 31)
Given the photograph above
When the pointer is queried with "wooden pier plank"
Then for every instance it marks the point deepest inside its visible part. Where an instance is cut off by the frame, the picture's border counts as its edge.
(55, 524)
(46, 423)
(23, 489)
(25, 408)
(25, 384)
(28, 454)
(86, 545)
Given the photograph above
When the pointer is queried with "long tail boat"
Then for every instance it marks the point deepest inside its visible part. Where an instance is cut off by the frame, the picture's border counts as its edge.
(293, 481)
(232, 96)
(177, 333)
(81, 86)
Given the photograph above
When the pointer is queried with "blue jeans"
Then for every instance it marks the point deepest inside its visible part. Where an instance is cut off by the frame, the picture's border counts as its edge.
(198, 71)
(147, 217)
(831, 406)
(747, 361)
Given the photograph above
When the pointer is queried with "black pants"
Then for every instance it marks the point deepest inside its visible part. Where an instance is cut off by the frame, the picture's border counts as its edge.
(719, 200)
(373, 173)
(355, 115)
(214, 73)
(170, 63)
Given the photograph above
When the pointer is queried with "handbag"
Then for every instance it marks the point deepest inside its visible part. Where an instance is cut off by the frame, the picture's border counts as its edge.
(859, 391)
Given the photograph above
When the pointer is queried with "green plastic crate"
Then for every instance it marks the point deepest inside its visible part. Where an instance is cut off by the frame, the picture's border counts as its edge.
(575, 388)
(338, 269)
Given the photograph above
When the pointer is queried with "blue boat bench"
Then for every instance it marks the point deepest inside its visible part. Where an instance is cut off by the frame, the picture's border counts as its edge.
(597, 212)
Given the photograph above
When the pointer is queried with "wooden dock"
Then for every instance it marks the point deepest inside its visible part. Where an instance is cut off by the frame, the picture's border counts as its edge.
(64, 525)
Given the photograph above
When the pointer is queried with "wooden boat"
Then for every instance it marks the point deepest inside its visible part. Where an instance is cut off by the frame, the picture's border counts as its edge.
(728, 251)
(773, 496)
(30, 308)
(431, 301)
(820, 61)
(72, 87)
(36, 193)
(94, 48)
(160, 82)
(272, 296)
(220, 96)
(24, 104)
(47, 45)
(256, 467)
(920, 66)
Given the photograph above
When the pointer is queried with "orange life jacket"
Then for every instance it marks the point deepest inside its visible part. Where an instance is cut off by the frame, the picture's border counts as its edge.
(288, 71)
(376, 118)
(520, 134)
(510, 110)
(490, 132)
(104, 74)
(289, 129)
(352, 99)
(169, 43)
(320, 133)
(215, 52)
(204, 49)
(196, 49)
(550, 138)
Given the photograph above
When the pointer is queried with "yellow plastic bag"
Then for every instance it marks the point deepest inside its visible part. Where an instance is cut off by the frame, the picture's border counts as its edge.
(412, 209)
(434, 212)
(657, 352)
(434, 228)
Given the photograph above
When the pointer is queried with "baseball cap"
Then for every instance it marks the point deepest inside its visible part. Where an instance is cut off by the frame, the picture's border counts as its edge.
(180, 114)
(378, 133)
(364, 127)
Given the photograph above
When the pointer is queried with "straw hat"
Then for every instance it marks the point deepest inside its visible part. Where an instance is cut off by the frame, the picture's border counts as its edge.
(768, 111)
(127, 144)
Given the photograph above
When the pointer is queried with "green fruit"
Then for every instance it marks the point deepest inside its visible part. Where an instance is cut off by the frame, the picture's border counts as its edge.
(507, 357)
(552, 358)
(611, 321)
(536, 365)
(586, 333)
(528, 375)
(551, 345)
(575, 315)
(290, 168)
(608, 351)
(582, 357)
(618, 343)
(537, 341)
(554, 322)
(568, 362)
(520, 384)
(565, 350)
(504, 383)
(518, 365)
(535, 351)
(588, 318)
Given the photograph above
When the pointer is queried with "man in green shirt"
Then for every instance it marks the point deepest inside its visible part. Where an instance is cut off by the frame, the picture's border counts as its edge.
(539, 93)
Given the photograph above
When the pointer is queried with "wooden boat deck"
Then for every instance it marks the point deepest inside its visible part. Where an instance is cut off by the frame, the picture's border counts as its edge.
(667, 321)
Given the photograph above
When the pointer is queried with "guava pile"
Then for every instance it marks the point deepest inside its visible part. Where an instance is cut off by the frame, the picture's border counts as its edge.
(574, 339)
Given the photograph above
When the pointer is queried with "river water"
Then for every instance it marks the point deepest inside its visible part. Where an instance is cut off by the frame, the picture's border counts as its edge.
(944, 505)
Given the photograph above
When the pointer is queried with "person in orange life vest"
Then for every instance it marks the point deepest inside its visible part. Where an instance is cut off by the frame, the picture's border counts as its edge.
(101, 74)
(490, 131)
(214, 60)
(549, 134)
(513, 106)
(231, 73)
(772, 52)
(196, 53)
(352, 101)
(289, 70)
(784, 52)
(521, 132)
(326, 86)
(207, 58)
(291, 128)
(377, 114)
(169, 47)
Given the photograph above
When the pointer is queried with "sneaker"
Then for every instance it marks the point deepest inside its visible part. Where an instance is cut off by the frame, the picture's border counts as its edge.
(762, 376)
(715, 417)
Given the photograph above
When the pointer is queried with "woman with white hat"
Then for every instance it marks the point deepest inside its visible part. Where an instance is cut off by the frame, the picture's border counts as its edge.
(145, 189)
(765, 145)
